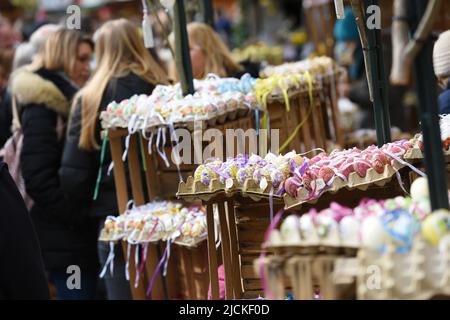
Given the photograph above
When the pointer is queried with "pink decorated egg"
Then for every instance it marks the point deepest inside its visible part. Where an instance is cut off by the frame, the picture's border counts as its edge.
(361, 168)
(347, 167)
(326, 173)
(377, 164)
(291, 185)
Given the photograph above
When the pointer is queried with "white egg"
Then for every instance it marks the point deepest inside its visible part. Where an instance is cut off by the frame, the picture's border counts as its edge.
(328, 230)
(419, 189)
(444, 244)
(275, 238)
(349, 228)
(372, 233)
(290, 230)
(308, 230)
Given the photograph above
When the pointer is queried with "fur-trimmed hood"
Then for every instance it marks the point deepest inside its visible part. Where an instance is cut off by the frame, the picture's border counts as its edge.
(29, 87)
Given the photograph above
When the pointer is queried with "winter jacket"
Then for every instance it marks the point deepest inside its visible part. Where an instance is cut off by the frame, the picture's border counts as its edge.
(5, 116)
(43, 97)
(22, 273)
(444, 100)
(80, 168)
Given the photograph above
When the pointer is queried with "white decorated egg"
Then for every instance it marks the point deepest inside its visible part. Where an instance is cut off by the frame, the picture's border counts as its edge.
(349, 228)
(419, 189)
(373, 235)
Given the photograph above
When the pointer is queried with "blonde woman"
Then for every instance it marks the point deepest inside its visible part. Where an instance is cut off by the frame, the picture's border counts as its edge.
(43, 92)
(124, 67)
(209, 54)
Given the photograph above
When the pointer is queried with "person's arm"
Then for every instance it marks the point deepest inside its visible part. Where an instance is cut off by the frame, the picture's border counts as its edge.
(40, 160)
(22, 274)
(79, 167)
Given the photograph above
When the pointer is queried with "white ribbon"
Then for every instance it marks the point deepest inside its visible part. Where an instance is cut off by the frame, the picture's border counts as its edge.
(420, 173)
(109, 261)
(167, 258)
(162, 153)
(177, 158)
(150, 142)
(136, 264)
(111, 166)
(127, 265)
(127, 145)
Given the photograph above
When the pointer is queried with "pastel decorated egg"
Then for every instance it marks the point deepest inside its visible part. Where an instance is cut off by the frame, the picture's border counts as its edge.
(275, 238)
(444, 244)
(243, 174)
(419, 189)
(290, 230)
(347, 167)
(308, 230)
(436, 226)
(291, 186)
(401, 227)
(378, 163)
(373, 235)
(349, 228)
(328, 230)
(326, 173)
(308, 178)
(361, 167)
(277, 177)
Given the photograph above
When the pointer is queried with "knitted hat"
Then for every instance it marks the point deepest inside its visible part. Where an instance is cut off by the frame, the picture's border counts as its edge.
(441, 55)
(346, 29)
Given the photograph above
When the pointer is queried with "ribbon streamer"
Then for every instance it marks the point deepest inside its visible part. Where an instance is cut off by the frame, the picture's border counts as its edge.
(177, 160)
(403, 162)
(109, 261)
(102, 158)
(136, 262)
(127, 264)
(158, 267)
(311, 107)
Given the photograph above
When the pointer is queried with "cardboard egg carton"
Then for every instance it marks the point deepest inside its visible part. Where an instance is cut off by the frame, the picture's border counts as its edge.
(306, 272)
(208, 120)
(193, 190)
(354, 182)
(421, 273)
(189, 241)
(416, 153)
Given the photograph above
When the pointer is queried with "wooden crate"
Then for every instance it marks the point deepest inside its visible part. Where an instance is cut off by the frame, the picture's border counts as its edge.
(320, 129)
(320, 18)
(164, 287)
(306, 277)
(148, 178)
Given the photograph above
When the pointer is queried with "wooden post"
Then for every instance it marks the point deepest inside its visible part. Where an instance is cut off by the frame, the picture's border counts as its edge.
(212, 252)
(226, 252)
(122, 200)
(235, 261)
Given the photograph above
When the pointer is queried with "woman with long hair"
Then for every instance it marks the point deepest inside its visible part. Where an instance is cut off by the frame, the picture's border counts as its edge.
(209, 54)
(124, 68)
(43, 92)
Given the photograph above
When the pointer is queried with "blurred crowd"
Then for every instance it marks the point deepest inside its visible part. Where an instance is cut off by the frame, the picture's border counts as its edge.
(53, 86)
